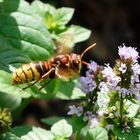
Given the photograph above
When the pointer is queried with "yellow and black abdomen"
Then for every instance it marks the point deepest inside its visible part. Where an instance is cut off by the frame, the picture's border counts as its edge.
(30, 72)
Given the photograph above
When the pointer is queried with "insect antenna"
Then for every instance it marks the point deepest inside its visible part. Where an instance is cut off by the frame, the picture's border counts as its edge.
(85, 52)
(85, 63)
(87, 49)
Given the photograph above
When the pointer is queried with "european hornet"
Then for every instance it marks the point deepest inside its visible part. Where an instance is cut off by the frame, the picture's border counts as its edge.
(63, 66)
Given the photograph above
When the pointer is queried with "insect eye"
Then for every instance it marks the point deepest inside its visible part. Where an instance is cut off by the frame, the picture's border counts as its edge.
(76, 64)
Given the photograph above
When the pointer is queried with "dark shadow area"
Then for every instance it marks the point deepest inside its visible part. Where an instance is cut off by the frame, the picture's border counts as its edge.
(112, 23)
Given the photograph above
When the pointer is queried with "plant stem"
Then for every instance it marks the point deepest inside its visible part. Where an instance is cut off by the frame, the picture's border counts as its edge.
(121, 108)
(76, 135)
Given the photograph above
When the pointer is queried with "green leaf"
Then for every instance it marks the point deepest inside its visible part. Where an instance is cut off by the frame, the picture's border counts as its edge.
(79, 33)
(45, 13)
(84, 131)
(29, 36)
(78, 123)
(56, 20)
(7, 87)
(136, 132)
(54, 119)
(69, 90)
(9, 101)
(97, 134)
(35, 133)
(132, 109)
(41, 8)
(137, 121)
(12, 57)
(65, 89)
(132, 135)
(38, 134)
(11, 136)
(63, 15)
(103, 97)
(21, 130)
(52, 87)
(62, 129)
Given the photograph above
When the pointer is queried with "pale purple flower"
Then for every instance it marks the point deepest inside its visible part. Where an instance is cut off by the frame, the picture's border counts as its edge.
(137, 96)
(137, 85)
(111, 79)
(103, 87)
(134, 79)
(88, 116)
(135, 91)
(109, 127)
(93, 66)
(123, 68)
(118, 88)
(93, 122)
(124, 92)
(113, 82)
(128, 53)
(75, 110)
(90, 74)
(136, 72)
(136, 68)
(108, 72)
(87, 84)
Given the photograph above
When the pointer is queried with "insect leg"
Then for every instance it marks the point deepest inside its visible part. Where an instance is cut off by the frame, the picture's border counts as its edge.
(43, 77)
(47, 74)
(31, 84)
(45, 84)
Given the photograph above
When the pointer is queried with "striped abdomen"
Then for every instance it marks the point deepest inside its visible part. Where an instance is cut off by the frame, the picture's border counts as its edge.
(30, 72)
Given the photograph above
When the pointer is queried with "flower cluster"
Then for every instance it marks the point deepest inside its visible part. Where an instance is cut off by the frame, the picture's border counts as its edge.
(5, 119)
(90, 81)
(87, 116)
(75, 110)
(107, 88)
(124, 77)
(128, 53)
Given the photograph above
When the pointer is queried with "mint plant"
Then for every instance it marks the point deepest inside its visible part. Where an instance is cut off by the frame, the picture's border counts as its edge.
(107, 97)
(112, 96)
